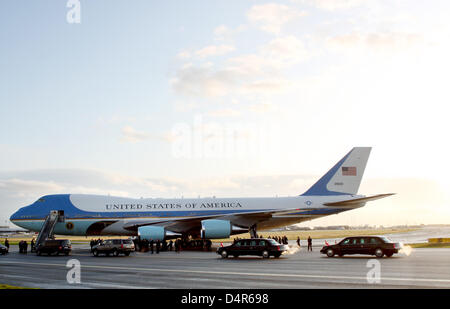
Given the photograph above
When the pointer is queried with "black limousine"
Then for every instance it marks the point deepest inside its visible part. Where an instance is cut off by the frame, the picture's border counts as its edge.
(371, 245)
(254, 246)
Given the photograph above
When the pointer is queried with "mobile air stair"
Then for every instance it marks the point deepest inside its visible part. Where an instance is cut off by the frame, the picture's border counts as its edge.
(47, 229)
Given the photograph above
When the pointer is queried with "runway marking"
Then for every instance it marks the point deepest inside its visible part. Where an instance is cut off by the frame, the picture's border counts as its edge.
(234, 273)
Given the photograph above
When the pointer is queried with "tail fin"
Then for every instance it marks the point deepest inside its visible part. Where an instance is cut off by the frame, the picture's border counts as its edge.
(345, 177)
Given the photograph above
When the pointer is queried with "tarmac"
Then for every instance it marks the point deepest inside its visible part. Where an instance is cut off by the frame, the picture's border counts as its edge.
(422, 268)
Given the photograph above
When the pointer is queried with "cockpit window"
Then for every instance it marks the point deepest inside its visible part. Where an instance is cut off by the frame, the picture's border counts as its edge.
(41, 199)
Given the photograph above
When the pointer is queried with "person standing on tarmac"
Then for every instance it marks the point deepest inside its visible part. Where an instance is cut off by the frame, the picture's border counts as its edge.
(177, 245)
(151, 245)
(298, 241)
(7, 243)
(309, 243)
(158, 245)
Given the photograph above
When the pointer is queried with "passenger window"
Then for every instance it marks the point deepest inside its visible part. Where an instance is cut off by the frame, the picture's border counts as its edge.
(238, 244)
(355, 241)
(346, 242)
(362, 241)
(253, 243)
(374, 241)
(262, 243)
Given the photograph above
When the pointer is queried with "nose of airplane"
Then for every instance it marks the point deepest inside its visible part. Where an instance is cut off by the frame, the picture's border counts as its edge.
(14, 216)
(17, 215)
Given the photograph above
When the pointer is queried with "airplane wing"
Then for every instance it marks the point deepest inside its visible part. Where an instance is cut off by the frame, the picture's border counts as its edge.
(238, 219)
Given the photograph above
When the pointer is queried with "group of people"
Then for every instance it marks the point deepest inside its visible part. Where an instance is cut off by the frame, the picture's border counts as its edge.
(146, 245)
(95, 242)
(23, 246)
(280, 239)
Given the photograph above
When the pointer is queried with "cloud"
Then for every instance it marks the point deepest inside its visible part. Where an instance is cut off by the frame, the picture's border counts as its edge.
(332, 5)
(214, 50)
(258, 73)
(271, 17)
(376, 41)
(184, 54)
(263, 108)
(131, 135)
(226, 112)
(24, 188)
(203, 81)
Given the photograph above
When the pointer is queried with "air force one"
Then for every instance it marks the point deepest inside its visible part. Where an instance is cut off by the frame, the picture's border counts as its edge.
(207, 218)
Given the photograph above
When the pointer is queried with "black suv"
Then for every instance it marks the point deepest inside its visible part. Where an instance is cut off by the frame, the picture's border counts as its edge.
(372, 245)
(114, 246)
(57, 246)
(255, 246)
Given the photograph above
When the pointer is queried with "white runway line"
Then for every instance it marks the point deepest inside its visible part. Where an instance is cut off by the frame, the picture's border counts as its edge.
(238, 273)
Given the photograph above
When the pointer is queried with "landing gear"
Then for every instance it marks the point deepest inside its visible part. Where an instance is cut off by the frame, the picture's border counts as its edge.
(252, 231)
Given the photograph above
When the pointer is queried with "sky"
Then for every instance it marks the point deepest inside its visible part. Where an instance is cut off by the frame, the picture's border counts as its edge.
(226, 99)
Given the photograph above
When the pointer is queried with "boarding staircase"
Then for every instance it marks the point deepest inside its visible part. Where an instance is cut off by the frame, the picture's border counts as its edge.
(47, 229)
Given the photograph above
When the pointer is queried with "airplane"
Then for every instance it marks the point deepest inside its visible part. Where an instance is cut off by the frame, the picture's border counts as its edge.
(9, 231)
(206, 218)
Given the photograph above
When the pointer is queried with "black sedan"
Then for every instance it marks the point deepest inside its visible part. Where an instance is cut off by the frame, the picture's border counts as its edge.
(3, 249)
(255, 246)
(371, 245)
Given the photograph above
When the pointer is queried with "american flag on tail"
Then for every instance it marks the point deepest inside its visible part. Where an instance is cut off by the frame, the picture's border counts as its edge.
(348, 171)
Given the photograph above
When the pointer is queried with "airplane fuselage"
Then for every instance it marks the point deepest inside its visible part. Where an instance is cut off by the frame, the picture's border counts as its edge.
(106, 215)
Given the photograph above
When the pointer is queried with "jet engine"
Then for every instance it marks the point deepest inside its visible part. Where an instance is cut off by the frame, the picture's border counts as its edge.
(213, 229)
(152, 232)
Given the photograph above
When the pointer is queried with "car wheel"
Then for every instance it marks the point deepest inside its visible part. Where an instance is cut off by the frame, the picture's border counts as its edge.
(224, 254)
(95, 252)
(379, 253)
(265, 254)
(115, 253)
(330, 252)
